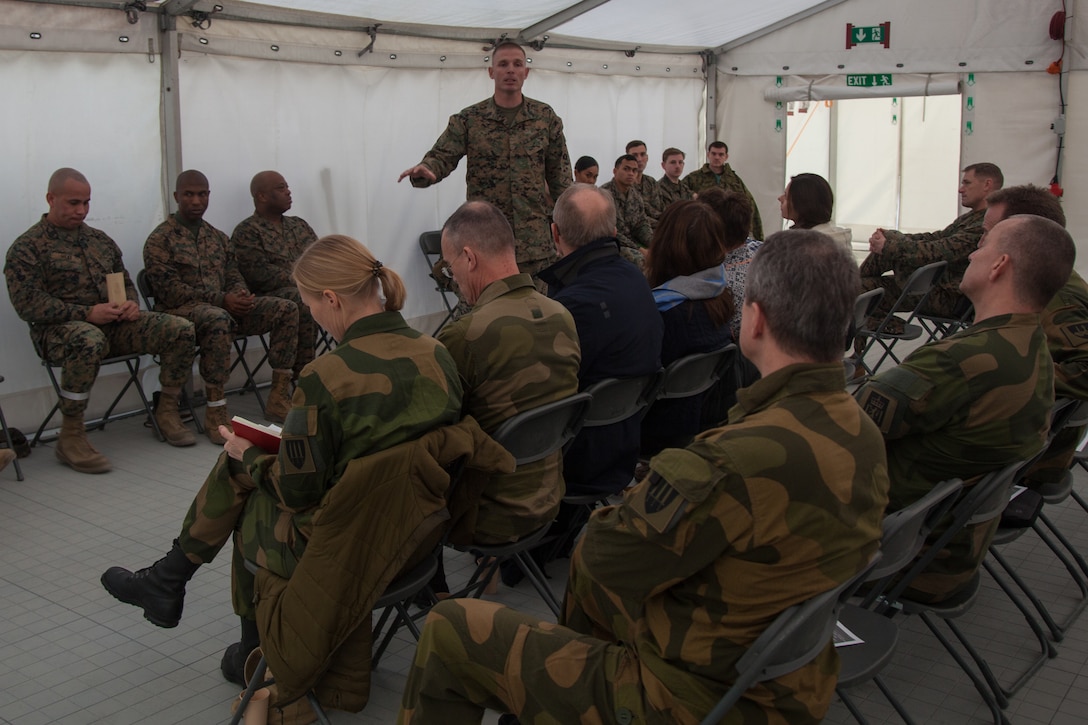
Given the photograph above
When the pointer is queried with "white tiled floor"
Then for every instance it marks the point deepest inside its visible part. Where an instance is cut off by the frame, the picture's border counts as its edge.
(70, 653)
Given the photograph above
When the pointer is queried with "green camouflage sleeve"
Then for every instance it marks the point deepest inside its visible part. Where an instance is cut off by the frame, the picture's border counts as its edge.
(905, 400)
(447, 151)
(757, 220)
(27, 289)
(1065, 321)
(172, 290)
(954, 242)
(557, 168)
(249, 252)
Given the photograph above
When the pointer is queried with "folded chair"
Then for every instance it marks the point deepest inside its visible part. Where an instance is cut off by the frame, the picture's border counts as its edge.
(918, 286)
(430, 243)
(529, 436)
(792, 640)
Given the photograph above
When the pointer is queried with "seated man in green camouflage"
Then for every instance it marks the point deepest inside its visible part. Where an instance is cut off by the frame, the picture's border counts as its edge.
(515, 350)
(632, 223)
(669, 588)
(978, 400)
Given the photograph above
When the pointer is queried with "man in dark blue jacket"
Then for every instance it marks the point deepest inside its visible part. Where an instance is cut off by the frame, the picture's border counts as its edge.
(619, 329)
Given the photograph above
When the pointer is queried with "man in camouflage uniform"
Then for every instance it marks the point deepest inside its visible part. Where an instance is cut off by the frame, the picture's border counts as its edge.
(632, 225)
(266, 246)
(515, 350)
(192, 270)
(669, 588)
(517, 156)
(717, 172)
(902, 254)
(56, 274)
(976, 401)
(647, 187)
(1065, 322)
(670, 187)
(384, 384)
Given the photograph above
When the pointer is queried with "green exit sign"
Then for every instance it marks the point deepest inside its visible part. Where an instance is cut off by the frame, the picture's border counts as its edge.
(861, 34)
(869, 80)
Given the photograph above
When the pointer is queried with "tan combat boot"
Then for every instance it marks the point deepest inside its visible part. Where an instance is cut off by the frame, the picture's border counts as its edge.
(169, 421)
(216, 414)
(279, 398)
(74, 449)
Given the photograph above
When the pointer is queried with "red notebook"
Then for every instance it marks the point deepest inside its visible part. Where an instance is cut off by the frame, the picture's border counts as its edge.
(265, 437)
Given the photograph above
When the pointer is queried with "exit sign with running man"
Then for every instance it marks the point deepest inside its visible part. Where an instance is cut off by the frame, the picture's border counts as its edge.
(861, 34)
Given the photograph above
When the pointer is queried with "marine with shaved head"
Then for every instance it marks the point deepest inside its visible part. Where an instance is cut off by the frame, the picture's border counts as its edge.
(194, 274)
(267, 245)
(57, 280)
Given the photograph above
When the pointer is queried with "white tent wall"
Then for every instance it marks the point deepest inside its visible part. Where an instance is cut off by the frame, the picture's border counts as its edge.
(341, 133)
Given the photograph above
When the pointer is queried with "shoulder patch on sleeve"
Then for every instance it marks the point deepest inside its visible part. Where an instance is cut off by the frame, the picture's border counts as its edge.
(658, 503)
(297, 452)
(677, 478)
(1075, 334)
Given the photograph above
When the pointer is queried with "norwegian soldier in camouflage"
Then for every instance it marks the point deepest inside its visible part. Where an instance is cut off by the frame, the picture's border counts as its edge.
(517, 156)
(902, 254)
(266, 246)
(515, 350)
(56, 275)
(632, 225)
(670, 187)
(384, 384)
(669, 588)
(192, 269)
(647, 187)
(980, 399)
(1065, 322)
(717, 173)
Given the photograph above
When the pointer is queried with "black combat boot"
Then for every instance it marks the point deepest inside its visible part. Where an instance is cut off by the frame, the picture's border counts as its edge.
(234, 659)
(159, 589)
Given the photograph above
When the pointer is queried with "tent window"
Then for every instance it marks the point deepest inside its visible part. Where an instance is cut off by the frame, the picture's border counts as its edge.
(892, 162)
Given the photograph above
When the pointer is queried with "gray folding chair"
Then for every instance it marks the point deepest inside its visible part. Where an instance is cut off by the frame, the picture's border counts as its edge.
(919, 286)
(693, 375)
(864, 307)
(430, 243)
(529, 436)
(904, 534)
(792, 640)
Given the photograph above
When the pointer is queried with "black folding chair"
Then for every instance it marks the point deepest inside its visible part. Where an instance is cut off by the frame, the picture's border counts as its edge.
(920, 285)
(430, 243)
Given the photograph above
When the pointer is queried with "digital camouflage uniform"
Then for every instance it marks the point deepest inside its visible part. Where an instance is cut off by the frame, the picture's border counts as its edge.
(190, 277)
(1065, 322)
(670, 193)
(266, 254)
(782, 504)
(384, 384)
(962, 407)
(519, 164)
(904, 253)
(55, 276)
(651, 199)
(632, 225)
(515, 351)
(703, 179)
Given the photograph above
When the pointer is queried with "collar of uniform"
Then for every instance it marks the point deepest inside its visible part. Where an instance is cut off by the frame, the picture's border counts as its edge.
(373, 324)
(70, 234)
(193, 229)
(567, 269)
(796, 379)
(1028, 319)
(501, 286)
(527, 109)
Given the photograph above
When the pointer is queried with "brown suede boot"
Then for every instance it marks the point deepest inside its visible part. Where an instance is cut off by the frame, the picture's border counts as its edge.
(169, 421)
(279, 398)
(75, 450)
(216, 414)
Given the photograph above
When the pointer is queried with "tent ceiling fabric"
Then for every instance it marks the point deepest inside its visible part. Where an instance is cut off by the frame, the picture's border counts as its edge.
(678, 26)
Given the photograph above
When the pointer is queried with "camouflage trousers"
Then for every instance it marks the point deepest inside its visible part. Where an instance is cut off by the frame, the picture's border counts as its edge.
(80, 347)
(955, 565)
(476, 655)
(307, 328)
(230, 504)
(216, 328)
(942, 301)
(1056, 461)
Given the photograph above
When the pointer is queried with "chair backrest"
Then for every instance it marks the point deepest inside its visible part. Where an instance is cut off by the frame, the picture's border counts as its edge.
(431, 244)
(905, 531)
(792, 640)
(616, 399)
(865, 306)
(920, 284)
(539, 432)
(143, 286)
(696, 373)
(977, 504)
